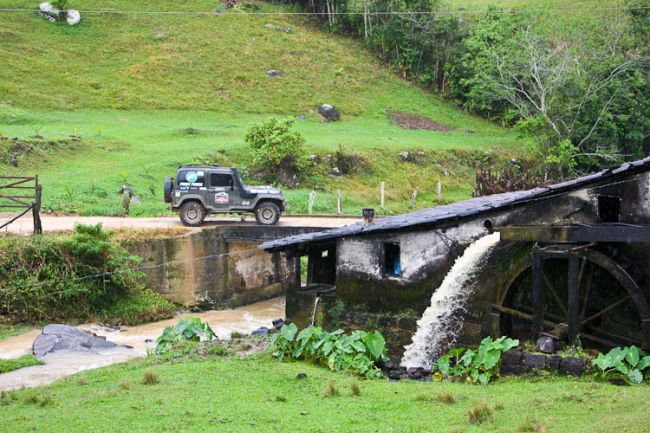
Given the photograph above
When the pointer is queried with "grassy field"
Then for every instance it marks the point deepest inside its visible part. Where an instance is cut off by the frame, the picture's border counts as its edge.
(261, 394)
(132, 85)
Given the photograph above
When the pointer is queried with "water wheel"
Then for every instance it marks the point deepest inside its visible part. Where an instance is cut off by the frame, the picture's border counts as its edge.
(612, 310)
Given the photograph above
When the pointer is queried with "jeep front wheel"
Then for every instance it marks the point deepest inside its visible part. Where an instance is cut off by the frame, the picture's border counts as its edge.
(267, 213)
(192, 213)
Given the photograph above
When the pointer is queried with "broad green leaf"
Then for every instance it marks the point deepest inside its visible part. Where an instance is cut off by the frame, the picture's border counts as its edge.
(491, 358)
(635, 376)
(289, 331)
(632, 355)
(376, 344)
(643, 363)
(621, 367)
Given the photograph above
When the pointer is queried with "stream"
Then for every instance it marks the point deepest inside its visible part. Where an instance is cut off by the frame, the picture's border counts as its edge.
(142, 338)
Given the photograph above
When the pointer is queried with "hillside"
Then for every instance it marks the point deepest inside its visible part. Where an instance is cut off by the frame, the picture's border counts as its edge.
(147, 92)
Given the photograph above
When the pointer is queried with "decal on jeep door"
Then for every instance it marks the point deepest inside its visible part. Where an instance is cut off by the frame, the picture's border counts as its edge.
(221, 198)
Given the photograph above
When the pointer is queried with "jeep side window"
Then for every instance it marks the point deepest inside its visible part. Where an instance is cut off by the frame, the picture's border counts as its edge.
(221, 180)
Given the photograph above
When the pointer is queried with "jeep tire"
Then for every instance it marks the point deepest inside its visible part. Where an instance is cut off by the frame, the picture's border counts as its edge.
(267, 213)
(192, 213)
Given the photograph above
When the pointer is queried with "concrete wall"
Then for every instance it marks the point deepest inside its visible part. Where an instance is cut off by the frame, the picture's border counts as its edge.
(218, 267)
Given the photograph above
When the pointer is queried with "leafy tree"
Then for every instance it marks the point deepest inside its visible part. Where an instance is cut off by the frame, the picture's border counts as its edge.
(277, 148)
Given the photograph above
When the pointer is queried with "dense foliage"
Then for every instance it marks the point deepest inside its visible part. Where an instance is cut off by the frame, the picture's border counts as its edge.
(357, 352)
(70, 277)
(479, 366)
(579, 85)
(190, 329)
(630, 364)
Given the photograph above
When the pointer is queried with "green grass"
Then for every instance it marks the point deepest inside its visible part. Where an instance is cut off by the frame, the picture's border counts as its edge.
(263, 395)
(131, 86)
(7, 330)
(7, 365)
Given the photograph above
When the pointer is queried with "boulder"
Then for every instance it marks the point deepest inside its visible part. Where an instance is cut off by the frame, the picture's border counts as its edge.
(273, 73)
(330, 113)
(512, 362)
(573, 366)
(534, 362)
(263, 330)
(547, 344)
(278, 323)
(63, 337)
(73, 17)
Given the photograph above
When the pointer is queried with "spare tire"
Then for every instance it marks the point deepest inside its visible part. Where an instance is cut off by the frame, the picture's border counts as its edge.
(167, 189)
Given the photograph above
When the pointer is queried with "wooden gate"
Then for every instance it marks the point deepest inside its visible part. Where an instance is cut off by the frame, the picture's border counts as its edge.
(22, 194)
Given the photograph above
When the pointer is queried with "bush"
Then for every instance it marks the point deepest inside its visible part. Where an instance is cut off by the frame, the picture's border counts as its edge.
(141, 306)
(59, 278)
(357, 352)
(190, 329)
(479, 366)
(277, 149)
(629, 364)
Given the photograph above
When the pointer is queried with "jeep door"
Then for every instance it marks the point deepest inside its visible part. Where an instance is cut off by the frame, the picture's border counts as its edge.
(221, 192)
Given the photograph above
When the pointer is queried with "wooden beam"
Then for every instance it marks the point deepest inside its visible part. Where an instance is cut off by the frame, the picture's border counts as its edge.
(573, 233)
(538, 295)
(572, 313)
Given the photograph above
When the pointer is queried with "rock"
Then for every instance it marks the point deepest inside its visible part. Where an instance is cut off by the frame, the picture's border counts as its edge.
(386, 365)
(408, 323)
(62, 337)
(301, 376)
(49, 12)
(277, 323)
(547, 344)
(278, 28)
(395, 374)
(553, 363)
(335, 171)
(73, 17)
(534, 362)
(405, 155)
(313, 158)
(512, 362)
(329, 113)
(273, 73)
(13, 161)
(262, 330)
(573, 366)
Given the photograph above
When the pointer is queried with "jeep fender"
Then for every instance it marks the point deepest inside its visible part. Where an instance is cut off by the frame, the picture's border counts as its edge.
(190, 197)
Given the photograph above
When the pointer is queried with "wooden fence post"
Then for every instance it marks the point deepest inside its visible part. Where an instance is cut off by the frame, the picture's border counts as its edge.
(439, 190)
(339, 203)
(381, 194)
(310, 203)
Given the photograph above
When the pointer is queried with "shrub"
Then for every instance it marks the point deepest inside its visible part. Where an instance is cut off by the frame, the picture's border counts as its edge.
(141, 306)
(150, 377)
(190, 329)
(58, 278)
(629, 363)
(277, 148)
(479, 366)
(357, 352)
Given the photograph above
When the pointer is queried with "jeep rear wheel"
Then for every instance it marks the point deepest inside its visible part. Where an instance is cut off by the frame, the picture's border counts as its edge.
(192, 213)
(267, 213)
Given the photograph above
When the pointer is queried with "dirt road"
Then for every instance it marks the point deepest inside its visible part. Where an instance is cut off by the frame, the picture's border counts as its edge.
(52, 223)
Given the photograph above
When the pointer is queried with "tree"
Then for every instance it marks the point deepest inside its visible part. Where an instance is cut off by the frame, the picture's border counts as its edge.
(278, 149)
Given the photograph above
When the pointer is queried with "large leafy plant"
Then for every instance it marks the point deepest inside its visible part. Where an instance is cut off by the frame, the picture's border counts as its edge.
(358, 351)
(190, 329)
(480, 365)
(629, 363)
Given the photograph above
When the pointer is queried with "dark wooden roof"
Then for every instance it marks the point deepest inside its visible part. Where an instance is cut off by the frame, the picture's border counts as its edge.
(460, 210)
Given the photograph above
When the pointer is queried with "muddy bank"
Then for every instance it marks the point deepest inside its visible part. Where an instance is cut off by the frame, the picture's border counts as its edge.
(141, 338)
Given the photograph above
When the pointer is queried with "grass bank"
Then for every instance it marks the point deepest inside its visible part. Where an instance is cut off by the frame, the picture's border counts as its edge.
(140, 148)
(7, 365)
(260, 394)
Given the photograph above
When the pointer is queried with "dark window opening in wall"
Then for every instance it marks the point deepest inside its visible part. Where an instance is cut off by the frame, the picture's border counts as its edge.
(609, 208)
(322, 266)
(392, 265)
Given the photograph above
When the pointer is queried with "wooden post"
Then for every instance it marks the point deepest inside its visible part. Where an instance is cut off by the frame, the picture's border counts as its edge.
(339, 203)
(310, 203)
(414, 196)
(439, 190)
(538, 294)
(36, 208)
(381, 194)
(572, 310)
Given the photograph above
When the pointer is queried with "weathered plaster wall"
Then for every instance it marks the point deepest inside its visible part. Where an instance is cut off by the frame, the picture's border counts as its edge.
(217, 267)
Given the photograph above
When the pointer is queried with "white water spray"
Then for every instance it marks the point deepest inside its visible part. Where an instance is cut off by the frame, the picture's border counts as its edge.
(441, 321)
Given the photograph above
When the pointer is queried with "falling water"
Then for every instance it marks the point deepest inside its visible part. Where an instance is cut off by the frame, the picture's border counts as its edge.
(313, 314)
(441, 321)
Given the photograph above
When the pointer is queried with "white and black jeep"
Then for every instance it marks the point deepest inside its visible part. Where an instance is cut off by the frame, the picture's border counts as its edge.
(201, 190)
